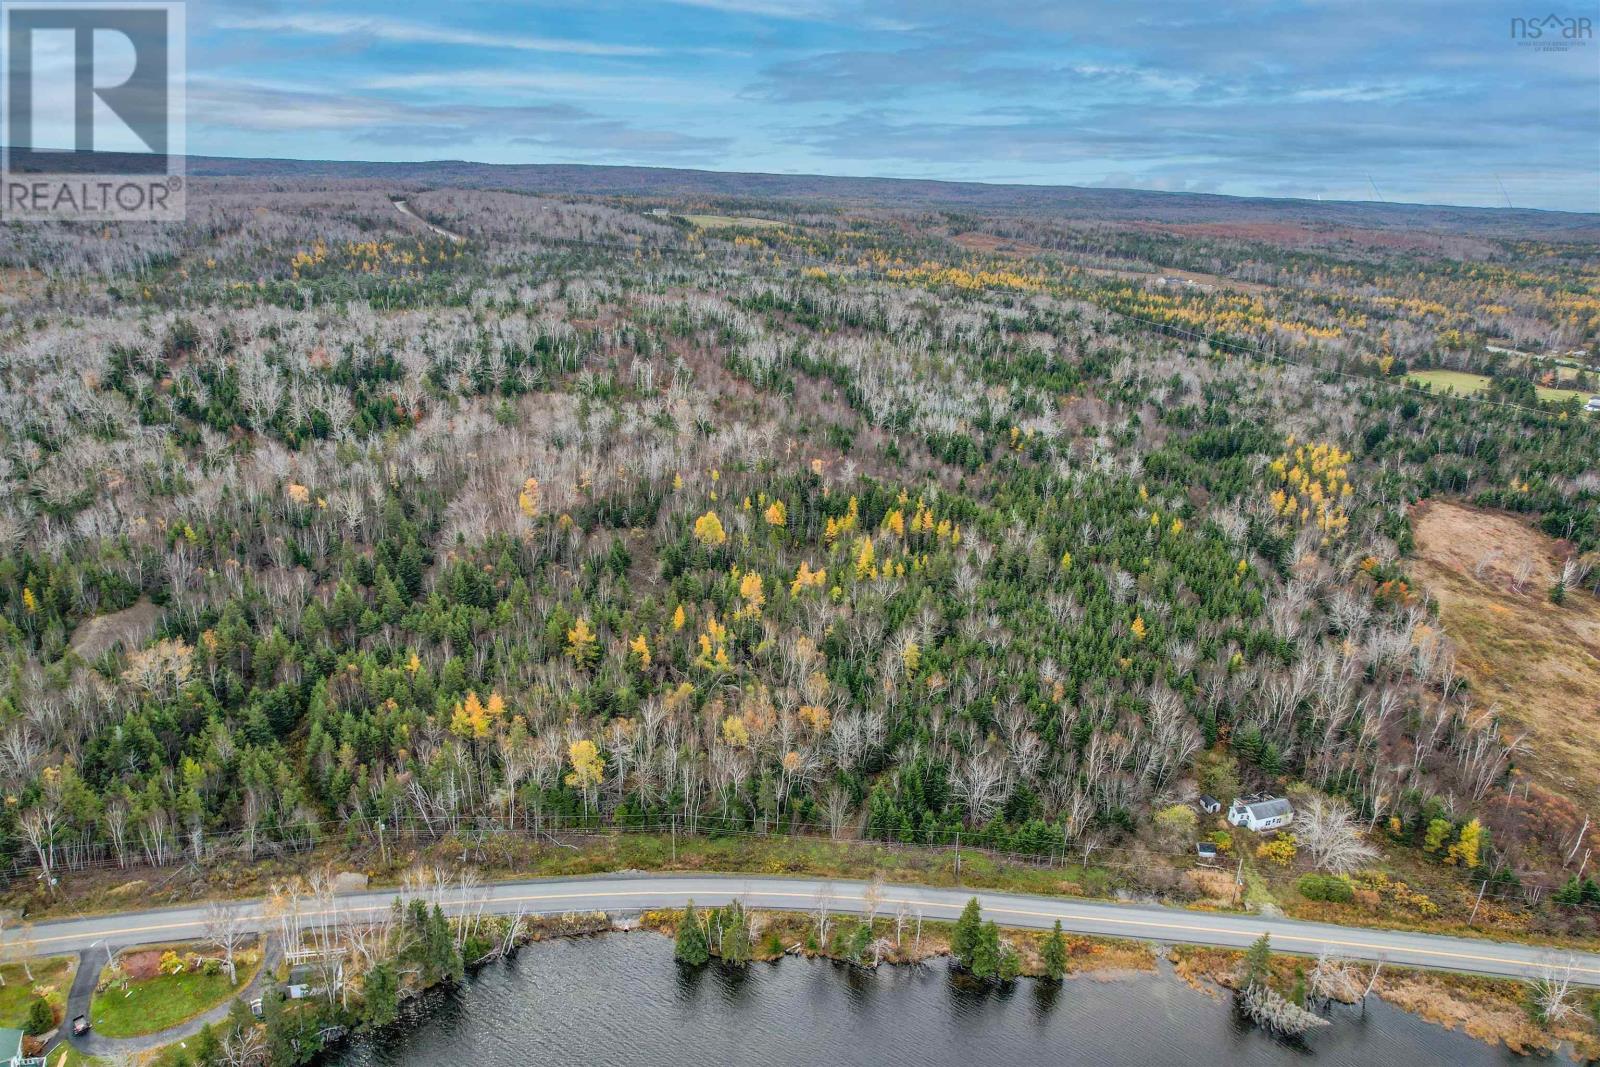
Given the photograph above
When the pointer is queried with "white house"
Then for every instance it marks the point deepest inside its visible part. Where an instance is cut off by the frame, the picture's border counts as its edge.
(1261, 813)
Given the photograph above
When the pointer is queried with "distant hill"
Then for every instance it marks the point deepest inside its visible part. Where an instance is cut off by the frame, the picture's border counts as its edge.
(1123, 205)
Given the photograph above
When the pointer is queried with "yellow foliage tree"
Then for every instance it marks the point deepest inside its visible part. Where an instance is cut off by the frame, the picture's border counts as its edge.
(708, 530)
(1465, 850)
(641, 651)
(866, 559)
(587, 768)
(528, 499)
(734, 732)
(1137, 628)
(815, 717)
(806, 578)
(581, 643)
(777, 514)
(470, 720)
(750, 590)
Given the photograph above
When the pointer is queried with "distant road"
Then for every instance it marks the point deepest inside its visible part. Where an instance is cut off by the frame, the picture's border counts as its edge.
(633, 893)
(405, 209)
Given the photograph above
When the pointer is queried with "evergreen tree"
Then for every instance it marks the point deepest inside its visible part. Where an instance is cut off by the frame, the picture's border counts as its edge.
(691, 947)
(41, 1017)
(1055, 954)
(965, 937)
(380, 1003)
(986, 952)
(735, 935)
(208, 1046)
(1258, 962)
(444, 958)
(861, 944)
(281, 1049)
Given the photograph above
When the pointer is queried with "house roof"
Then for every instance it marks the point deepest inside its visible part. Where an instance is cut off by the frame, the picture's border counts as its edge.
(1270, 808)
(10, 1044)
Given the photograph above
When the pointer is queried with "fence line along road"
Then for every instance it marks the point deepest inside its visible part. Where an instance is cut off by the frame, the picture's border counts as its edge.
(621, 894)
(476, 832)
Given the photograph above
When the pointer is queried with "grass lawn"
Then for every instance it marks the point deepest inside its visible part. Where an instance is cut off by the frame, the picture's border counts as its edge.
(153, 1004)
(52, 976)
(67, 1056)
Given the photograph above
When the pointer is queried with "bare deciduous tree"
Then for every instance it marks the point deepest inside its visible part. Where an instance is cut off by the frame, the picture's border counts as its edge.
(1328, 831)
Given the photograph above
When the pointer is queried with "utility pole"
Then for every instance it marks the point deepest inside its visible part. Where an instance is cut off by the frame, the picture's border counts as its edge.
(1475, 903)
(674, 837)
(958, 857)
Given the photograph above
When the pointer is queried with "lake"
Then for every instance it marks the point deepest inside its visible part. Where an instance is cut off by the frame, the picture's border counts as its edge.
(621, 1000)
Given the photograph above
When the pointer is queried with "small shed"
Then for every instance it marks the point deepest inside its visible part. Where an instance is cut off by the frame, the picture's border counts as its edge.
(1261, 813)
(1207, 852)
(1210, 804)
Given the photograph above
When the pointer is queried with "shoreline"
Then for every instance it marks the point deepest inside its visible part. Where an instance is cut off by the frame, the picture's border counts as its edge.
(1481, 1009)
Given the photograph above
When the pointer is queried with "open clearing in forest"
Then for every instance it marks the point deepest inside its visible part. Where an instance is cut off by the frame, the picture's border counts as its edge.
(712, 222)
(1461, 381)
(1466, 383)
(1538, 661)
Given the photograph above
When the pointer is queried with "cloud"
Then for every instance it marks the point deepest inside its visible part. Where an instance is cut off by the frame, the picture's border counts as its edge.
(565, 83)
(399, 32)
(268, 108)
(779, 9)
(1251, 96)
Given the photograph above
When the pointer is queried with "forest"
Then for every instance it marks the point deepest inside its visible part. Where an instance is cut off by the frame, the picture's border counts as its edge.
(865, 522)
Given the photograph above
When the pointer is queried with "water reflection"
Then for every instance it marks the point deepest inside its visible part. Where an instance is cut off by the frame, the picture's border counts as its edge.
(621, 1000)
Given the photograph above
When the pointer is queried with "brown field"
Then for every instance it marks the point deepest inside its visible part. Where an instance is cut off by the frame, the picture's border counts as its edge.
(1539, 662)
(989, 244)
(129, 628)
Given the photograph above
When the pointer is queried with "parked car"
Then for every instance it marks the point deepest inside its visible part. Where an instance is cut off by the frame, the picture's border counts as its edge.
(80, 1024)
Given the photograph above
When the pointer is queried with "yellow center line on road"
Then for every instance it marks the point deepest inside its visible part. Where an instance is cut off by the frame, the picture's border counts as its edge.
(1169, 925)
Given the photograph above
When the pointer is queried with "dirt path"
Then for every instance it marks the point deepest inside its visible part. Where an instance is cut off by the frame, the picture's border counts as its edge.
(405, 209)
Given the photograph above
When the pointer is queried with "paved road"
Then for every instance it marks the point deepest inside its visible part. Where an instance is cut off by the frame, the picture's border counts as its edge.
(635, 892)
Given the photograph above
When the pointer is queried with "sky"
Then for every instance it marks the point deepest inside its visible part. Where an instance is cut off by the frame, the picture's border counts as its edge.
(1357, 100)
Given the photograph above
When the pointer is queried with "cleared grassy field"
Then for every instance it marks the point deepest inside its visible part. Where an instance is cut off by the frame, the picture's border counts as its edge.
(1459, 380)
(1466, 384)
(1559, 395)
(748, 222)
